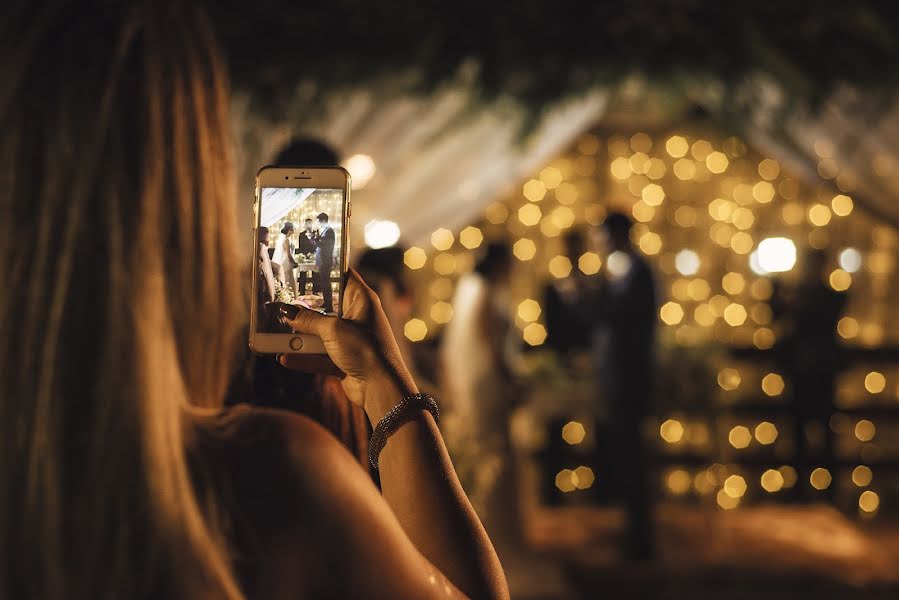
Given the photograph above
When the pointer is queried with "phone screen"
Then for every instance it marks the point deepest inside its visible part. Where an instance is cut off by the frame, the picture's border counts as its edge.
(300, 252)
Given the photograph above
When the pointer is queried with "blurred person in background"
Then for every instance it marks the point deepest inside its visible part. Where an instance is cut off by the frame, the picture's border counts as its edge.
(478, 384)
(121, 474)
(324, 260)
(306, 246)
(808, 353)
(620, 303)
(566, 329)
(284, 256)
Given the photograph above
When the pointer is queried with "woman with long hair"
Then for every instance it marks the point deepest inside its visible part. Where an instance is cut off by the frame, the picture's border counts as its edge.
(120, 474)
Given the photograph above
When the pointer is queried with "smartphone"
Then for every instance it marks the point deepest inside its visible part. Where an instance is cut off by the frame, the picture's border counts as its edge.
(300, 253)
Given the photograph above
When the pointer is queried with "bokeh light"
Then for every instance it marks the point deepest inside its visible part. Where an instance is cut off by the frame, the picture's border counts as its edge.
(766, 433)
(739, 437)
(687, 262)
(573, 433)
(415, 330)
(865, 430)
(772, 384)
(672, 431)
(471, 237)
(820, 478)
(772, 481)
(534, 334)
(442, 239)
(415, 258)
(862, 476)
(529, 310)
(524, 249)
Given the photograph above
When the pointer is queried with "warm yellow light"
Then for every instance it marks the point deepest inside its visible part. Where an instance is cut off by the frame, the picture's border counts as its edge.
(735, 315)
(524, 249)
(776, 255)
(741, 242)
(442, 239)
(551, 177)
(566, 480)
(790, 476)
(573, 433)
(534, 190)
(862, 475)
(678, 482)
(701, 149)
(529, 310)
(680, 289)
(819, 215)
(717, 162)
(445, 263)
(743, 194)
(567, 193)
(763, 192)
(677, 146)
(847, 328)
(880, 263)
(840, 280)
(773, 384)
(742, 218)
(718, 209)
(762, 314)
(718, 303)
(703, 315)
(639, 162)
(442, 312)
(415, 258)
(726, 501)
(698, 289)
(441, 288)
(650, 243)
(529, 214)
(763, 338)
(548, 228)
(865, 430)
(703, 482)
(672, 431)
(868, 501)
(733, 283)
(769, 169)
(656, 169)
(684, 169)
(560, 266)
(671, 313)
(620, 168)
(729, 379)
(584, 477)
(761, 289)
(841, 205)
(653, 194)
(875, 382)
(471, 237)
(687, 262)
(820, 479)
(766, 433)
(685, 216)
(415, 330)
(722, 234)
(739, 437)
(534, 334)
(642, 211)
(589, 263)
(772, 481)
(497, 213)
(563, 217)
(735, 486)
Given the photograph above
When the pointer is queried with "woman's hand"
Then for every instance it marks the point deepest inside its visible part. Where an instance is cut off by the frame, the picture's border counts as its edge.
(360, 344)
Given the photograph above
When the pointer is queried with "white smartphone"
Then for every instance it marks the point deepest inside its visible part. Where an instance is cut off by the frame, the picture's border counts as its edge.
(300, 253)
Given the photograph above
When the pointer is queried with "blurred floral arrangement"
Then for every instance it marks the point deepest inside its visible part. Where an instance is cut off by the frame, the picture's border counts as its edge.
(283, 293)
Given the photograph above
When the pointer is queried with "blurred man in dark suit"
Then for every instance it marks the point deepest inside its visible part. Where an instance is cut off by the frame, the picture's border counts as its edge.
(306, 246)
(324, 260)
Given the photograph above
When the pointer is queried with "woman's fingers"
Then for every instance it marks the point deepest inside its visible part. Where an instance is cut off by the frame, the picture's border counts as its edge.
(310, 322)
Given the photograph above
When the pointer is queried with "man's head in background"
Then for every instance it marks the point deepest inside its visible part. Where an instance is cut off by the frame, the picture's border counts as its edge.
(307, 152)
(384, 271)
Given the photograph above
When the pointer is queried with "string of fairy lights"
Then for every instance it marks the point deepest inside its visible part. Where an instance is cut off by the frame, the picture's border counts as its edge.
(718, 222)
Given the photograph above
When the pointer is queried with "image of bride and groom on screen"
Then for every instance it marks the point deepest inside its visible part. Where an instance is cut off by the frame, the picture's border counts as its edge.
(298, 259)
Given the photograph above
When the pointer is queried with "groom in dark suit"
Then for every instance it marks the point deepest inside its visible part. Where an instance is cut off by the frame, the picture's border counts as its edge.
(324, 260)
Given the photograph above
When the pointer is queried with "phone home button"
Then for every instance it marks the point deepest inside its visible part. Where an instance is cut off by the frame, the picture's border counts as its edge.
(296, 343)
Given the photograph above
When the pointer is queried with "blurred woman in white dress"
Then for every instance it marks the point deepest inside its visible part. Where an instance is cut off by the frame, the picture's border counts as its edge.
(478, 389)
(284, 256)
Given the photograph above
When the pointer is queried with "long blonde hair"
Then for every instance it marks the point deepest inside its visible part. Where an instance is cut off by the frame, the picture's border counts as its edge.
(120, 299)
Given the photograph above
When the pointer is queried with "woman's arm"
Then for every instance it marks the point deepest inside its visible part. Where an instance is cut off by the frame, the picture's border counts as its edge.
(417, 478)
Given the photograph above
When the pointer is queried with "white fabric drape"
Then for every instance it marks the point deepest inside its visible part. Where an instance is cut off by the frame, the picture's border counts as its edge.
(277, 202)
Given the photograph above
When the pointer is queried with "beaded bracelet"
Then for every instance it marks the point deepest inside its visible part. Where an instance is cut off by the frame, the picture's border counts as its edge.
(395, 418)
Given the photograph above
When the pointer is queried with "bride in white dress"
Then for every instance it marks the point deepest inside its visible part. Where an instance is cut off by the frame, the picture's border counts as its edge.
(284, 256)
(478, 389)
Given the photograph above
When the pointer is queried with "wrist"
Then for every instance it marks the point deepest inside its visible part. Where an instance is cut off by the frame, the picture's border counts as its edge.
(384, 392)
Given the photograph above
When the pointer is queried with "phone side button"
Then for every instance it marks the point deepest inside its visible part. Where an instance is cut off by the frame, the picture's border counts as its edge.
(349, 209)
(296, 343)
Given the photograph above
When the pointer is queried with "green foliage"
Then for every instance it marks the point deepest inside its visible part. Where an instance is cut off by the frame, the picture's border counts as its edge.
(538, 53)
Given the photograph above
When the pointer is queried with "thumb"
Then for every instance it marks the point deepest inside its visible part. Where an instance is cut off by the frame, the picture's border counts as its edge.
(311, 322)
